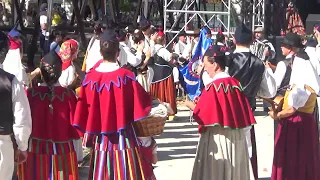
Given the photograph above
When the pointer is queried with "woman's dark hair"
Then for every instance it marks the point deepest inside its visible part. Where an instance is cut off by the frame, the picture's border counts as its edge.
(220, 60)
(54, 34)
(145, 28)
(131, 29)
(97, 29)
(109, 50)
(137, 36)
(160, 40)
(220, 38)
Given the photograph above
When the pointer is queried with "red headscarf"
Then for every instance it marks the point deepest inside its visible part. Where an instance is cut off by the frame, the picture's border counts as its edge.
(68, 52)
(14, 44)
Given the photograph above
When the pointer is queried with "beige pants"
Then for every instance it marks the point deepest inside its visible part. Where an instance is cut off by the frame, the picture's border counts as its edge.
(6, 157)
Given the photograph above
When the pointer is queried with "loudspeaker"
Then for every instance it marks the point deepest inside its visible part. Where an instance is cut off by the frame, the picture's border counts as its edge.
(311, 22)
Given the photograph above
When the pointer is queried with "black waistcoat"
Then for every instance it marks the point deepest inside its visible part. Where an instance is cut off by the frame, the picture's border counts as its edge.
(286, 80)
(7, 118)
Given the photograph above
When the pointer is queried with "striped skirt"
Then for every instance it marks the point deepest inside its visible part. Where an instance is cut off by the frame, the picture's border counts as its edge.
(165, 91)
(118, 156)
(49, 161)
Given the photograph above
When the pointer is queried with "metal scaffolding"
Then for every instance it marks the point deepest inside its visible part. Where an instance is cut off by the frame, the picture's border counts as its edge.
(190, 13)
(258, 17)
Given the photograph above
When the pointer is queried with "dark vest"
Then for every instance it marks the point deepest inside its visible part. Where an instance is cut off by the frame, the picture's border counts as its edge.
(286, 80)
(7, 118)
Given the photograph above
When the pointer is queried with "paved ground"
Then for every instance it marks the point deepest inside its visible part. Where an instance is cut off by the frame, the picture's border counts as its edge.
(178, 143)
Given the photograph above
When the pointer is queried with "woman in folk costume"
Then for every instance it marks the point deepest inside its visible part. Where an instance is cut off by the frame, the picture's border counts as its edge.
(51, 149)
(296, 152)
(223, 113)
(110, 101)
(143, 73)
(162, 86)
(68, 53)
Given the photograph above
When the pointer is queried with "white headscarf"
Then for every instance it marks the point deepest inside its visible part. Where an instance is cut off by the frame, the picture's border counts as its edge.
(303, 74)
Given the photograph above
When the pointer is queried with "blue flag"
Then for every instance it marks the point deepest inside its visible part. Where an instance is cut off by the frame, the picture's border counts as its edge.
(191, 80)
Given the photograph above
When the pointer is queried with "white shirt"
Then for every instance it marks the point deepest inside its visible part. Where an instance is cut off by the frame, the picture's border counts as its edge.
(126, 56)
(67, 76)
(43, 20)
(94, 54)
(22, 115)
(298, 97)
(268, 87)
(314, 58)
(280, 71)
(163, 52)
(177, 49)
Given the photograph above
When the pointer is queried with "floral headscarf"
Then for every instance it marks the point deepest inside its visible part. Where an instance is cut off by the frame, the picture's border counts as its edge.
(68, 52)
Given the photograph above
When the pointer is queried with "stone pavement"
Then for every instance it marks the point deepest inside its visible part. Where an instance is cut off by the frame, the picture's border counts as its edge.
(178, 143)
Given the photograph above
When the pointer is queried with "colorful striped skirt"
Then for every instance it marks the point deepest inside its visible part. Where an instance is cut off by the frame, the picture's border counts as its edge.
(49, 161)
(118, 156)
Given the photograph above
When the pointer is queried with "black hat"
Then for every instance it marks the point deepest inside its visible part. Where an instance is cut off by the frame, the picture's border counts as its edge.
(214, 51)
(182, 33)
(43, 7)
(52, 59)
(215, 54)
(243, 35)
(109, 35)
(292, 40)
(144, 23)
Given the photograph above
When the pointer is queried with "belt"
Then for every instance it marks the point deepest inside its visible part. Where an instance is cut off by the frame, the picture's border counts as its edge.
(5, 133)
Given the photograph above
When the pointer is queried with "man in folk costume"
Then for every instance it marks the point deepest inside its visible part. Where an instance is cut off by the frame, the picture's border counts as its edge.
(110, 101)
(223, 113)
(283, 70)
(145, 27)
(126, 56)
(93, 55)
(181, 45)
(296, 151)
(51, 152)
(261, 47)
(16, 123)
(254, 77)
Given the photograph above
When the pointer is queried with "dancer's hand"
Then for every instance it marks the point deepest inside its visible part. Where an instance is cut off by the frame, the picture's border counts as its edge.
(21, 156)
(273, 115)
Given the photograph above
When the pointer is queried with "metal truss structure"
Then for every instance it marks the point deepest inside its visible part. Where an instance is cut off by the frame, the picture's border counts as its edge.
(258, 16)
(191, 13)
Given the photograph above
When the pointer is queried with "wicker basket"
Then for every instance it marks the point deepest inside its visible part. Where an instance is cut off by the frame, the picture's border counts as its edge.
(150, 126)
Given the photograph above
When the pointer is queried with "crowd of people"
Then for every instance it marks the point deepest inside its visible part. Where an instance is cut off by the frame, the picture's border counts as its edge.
(129, 75)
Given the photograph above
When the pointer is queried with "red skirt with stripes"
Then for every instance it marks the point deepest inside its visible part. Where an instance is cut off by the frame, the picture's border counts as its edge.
(49, 161)
(118, 156)
(165, 91)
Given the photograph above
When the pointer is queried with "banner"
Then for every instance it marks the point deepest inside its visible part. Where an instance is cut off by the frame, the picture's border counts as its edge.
(190, 80)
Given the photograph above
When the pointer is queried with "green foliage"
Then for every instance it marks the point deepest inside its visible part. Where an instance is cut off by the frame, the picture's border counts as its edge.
(125, 5)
